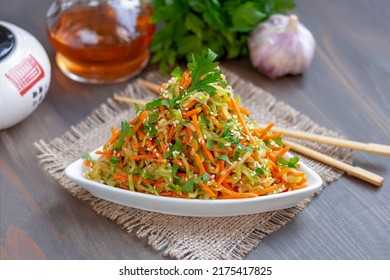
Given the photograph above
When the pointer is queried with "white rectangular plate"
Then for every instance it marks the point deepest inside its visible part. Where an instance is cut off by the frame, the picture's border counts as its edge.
(195, 207)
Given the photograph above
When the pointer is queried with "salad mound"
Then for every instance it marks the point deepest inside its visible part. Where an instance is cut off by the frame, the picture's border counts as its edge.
(196, 141)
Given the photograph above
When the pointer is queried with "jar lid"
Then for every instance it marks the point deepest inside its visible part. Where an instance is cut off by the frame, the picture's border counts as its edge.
(7, 41)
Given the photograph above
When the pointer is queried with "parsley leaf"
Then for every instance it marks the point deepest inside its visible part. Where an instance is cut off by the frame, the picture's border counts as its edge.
(225, 158)
(114, 160)
(278, 141)
(189, 186)
(178, 146)
(223, 26)
(203, 71)
(259, 171)
(126, 131)
(292, 163)
(88, 157)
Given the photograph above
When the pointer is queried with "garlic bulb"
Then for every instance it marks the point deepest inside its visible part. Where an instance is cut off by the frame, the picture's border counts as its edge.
(281, 46)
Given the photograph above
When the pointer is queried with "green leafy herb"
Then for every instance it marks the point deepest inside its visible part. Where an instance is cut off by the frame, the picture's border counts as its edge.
(114, 160)
(188, 187)
(292, 163)
(88, 157)
(176, 72)
(225, 158)
(150, 129)
(136, 107)
(149, 176)
(203, 66)
(126, 131)
(259, 171)
(209, 144)
(158, 102)
(278, 141)
(223, 26)
(204, 178)
(154, 117)
(178, 146)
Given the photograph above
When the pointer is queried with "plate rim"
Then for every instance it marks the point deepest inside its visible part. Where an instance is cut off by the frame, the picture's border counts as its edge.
(75, 171)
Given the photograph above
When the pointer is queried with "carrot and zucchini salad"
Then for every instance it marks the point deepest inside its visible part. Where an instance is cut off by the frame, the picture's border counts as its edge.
(196, 141)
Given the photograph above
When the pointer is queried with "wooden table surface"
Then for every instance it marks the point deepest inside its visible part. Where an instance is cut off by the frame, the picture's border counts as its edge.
(346, 89)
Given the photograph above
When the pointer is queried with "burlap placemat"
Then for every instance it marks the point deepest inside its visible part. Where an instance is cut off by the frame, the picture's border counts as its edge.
(185, 237)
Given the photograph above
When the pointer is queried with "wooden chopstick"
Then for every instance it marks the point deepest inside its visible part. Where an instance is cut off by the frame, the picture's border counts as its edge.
(149, 85)
(355, 171)
(349, 169)
(129, 100)
(367, 147)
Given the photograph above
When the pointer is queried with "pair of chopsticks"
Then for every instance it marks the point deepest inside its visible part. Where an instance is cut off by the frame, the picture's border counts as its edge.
(349, 169)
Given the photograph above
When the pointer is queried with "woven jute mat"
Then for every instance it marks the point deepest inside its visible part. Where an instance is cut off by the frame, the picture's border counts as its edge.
(185, 237)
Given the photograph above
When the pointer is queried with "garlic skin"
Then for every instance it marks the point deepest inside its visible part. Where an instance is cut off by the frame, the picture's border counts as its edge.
(281, 46)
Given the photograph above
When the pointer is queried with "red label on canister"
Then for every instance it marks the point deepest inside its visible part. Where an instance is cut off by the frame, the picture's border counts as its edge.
(25, 74)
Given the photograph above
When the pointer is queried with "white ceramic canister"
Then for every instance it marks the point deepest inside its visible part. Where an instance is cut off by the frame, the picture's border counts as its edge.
(24, 74)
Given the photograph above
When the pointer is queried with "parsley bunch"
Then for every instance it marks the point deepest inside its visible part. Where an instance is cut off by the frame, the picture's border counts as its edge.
(190, 26)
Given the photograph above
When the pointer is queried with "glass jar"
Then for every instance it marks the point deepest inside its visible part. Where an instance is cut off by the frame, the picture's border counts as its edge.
(100, 41)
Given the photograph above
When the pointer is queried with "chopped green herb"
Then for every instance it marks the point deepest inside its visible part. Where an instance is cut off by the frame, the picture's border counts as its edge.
(278, 141)
(114, 160)
(136, 107)
(126, 131)
(223, 26)
(259, 171)
(188, 187)
(176, 72)
(178, 146)
(88, 157)
(149, 176)
(225, 158)
(291, 163)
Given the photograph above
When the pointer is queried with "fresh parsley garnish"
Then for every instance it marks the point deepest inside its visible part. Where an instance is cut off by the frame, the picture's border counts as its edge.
(224, 26)
(126, 131)
(188, 187)
(292, 163)
(114, 160)
(88, 157)
(225, 158)
(178, 146)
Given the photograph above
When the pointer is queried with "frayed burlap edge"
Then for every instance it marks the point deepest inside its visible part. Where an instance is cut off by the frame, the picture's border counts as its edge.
(186, 237)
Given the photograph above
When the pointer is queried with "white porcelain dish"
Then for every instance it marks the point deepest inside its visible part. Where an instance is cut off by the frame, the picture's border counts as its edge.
(195, 207)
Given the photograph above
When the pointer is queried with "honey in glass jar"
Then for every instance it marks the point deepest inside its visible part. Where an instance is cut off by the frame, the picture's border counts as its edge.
(100, 41)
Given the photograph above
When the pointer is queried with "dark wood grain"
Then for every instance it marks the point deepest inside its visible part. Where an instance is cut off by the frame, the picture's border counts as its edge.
(347, 89)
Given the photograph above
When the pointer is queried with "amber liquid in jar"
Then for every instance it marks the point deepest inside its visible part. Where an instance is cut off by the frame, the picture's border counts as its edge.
(101, 44)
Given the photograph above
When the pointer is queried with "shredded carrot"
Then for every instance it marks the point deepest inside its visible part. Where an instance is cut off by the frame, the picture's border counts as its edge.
(138, 157)
(240, 117)
(171, 132)
(205, 109)
(199, 163)
(163, 145)
(207, 152)
(283, 151)
(105, 153)
(268, 189)
(185, 81)
(188, 114)
(208, 190)
(197, 128)
(245, 111)
(113, 138)
(265, 130)
(223, 177)
(191, 104)
(216, 123)
(141, 120)
(272, 136)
